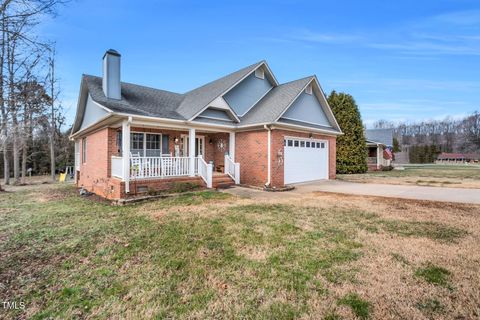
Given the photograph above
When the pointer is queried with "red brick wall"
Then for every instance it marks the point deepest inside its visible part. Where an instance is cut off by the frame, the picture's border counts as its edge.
(251, 153)
(278, 153)
(216, 153)
(95, 172)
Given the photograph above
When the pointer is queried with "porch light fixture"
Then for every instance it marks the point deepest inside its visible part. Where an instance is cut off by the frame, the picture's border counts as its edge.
(310, 135)
(210, 141)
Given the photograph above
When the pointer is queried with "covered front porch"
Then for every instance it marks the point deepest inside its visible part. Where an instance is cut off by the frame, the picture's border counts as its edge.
(157, 151)
(376, 159)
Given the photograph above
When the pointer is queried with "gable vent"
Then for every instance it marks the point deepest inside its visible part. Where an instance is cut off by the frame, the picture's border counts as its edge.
(308, 89)
(259, 73)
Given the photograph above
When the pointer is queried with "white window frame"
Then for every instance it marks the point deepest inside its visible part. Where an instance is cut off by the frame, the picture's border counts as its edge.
(159, 135)
(145, 141)
(185, 145)
(260, 73)
(84, 150)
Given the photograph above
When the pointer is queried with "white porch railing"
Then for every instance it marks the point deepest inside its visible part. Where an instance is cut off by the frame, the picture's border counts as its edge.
(158, 167)
(162, 167)
(372, 160)
(232, 169)
(117, 167)
(204, 170)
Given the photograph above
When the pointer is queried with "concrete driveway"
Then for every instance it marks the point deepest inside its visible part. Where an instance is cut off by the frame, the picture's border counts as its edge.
(368, 189)
(395, 191)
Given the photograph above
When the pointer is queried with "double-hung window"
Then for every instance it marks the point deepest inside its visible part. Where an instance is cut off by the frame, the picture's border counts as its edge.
(84, 150)
(145, 144)
(136, 144)
(153, 145)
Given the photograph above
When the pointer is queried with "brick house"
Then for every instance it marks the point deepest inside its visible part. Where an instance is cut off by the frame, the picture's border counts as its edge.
(243, 128)
(380, 146)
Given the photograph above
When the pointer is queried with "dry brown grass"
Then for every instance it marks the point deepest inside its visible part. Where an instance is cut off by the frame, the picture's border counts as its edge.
(453, 176)
(207, 255)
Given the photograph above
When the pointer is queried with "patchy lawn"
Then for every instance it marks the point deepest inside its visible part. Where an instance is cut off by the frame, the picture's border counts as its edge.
(210, 255)
(455, 176)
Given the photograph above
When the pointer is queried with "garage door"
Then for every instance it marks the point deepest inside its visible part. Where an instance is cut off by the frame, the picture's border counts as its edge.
(305, 160)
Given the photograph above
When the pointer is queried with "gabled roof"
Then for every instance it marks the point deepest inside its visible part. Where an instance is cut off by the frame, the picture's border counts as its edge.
(137, 100)
(197, 99)
(383, 136)
(275, 102)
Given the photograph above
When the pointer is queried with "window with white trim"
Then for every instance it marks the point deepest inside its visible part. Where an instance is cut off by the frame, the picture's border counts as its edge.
(259, 73)
(153, 145)
(84, 150)
(145, 144)
(136, 144)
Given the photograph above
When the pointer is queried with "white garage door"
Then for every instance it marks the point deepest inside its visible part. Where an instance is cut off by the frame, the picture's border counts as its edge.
(305, 160)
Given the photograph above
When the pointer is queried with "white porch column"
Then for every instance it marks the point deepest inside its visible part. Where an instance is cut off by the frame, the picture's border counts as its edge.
(191, 151)
(379, 151)
(126, 153)
(231, 146)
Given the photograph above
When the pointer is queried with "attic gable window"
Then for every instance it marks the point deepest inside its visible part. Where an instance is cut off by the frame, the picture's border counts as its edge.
(259, 73)
(308, 89)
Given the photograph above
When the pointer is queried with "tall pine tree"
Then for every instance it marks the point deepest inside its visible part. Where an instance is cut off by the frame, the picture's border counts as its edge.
(351, 146)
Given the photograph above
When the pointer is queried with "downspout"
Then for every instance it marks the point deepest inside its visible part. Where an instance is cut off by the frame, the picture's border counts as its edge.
(126, 154)
(269, 143)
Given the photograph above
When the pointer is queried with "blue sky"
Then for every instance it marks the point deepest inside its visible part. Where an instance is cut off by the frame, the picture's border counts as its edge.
(401, 60)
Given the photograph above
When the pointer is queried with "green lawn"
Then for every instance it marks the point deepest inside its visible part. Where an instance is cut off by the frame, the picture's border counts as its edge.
(432, 175)
(201, 255)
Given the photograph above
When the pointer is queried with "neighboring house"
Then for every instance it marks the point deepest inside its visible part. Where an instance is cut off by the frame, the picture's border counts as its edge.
(457, 158)
(242, 128)
(379, 144)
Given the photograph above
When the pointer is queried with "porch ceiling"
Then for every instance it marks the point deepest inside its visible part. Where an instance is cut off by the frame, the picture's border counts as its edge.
(180, 126)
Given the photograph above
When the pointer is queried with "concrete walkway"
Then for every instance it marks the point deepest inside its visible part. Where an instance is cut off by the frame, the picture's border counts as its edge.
(370, 189)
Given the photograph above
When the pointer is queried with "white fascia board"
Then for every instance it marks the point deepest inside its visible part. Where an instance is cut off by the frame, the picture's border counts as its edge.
(330, 112)
(294, 127)
(83, 93)
(217, 103)
(173, 123)
(262, 63)
(90, 127)
(319, 90)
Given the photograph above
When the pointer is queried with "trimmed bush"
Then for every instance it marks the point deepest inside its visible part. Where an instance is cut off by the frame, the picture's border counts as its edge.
(351, 146)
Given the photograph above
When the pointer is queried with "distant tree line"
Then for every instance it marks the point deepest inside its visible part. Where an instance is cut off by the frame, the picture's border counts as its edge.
(423, 153)
(31, 117)
(426, 139)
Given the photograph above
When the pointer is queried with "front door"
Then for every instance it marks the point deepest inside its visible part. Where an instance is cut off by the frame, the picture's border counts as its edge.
(199, 145)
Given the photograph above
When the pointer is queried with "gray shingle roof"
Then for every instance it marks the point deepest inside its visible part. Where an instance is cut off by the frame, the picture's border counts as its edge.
(384, 136)
(145, 101)
(137, 100)
(270, 107)
(198, 98)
